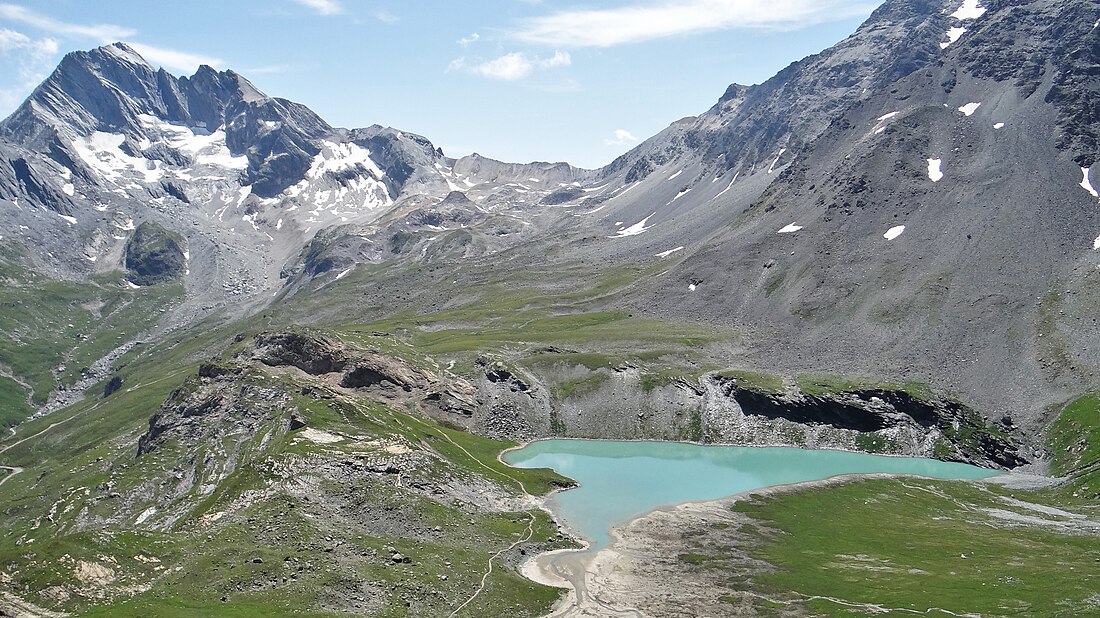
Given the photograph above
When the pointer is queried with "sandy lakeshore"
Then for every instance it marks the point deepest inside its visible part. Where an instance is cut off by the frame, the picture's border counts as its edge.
(642, 573)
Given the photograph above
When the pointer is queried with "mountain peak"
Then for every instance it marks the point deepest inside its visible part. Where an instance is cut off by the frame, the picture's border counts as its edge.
(108, 88)
(123, 52)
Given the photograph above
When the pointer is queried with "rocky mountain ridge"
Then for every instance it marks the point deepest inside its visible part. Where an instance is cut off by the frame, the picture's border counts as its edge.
(790, 211)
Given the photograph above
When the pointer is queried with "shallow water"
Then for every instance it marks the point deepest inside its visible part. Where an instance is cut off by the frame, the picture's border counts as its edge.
(621, 480)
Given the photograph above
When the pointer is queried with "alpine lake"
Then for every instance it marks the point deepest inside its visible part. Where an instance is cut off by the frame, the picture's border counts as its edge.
(619, 481)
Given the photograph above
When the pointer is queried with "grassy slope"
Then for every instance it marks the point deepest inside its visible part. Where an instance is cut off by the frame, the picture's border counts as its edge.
(921, 544)
(1075, 439)
(539, 325)
(93, 442)
(47, 323)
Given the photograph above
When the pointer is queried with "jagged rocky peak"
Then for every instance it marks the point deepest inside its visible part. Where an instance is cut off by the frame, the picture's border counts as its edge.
(110, 89)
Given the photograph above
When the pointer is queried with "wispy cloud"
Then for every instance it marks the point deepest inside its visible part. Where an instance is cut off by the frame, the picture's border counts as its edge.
(100, 32)
(386, 17)
(622, 136)
(107, 33)
(466, 41)
(10, 40)
(31, 60)
(664, 18)
(174, 59)
(272, 69)
(513, 66)
(323, 7)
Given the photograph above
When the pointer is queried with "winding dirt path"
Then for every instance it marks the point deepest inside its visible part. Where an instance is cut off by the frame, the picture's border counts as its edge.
(13, 471)
(530, 517)
(489, 570)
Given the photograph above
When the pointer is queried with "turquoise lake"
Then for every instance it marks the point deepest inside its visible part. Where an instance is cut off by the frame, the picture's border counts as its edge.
(621, 480)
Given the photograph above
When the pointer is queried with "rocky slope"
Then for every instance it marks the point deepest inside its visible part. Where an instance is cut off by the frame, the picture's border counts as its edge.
(946, 118)
(937, 230)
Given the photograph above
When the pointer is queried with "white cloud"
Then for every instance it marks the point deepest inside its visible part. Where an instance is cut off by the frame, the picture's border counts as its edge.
(100, 32)
(10, 40)
(174, 59)
(323, 7)
(560, 59)
(513, 66)
(466, 41)
(30, 60)
(664, 18)
(622, 136)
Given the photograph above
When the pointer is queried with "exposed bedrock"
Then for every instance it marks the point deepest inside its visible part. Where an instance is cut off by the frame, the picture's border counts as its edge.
(620, 403)
(506, 401)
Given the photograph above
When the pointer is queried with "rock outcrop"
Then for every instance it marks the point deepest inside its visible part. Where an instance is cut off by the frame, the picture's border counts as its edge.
(155, 255)
(379, 375)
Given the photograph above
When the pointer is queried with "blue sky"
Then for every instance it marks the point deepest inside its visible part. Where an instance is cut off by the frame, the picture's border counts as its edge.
(518, 80)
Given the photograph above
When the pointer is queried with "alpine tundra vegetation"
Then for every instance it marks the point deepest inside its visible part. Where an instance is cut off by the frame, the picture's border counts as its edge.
(255, 364)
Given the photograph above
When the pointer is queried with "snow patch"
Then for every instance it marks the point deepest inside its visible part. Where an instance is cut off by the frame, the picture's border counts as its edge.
(952, 35)
(970, 108)
(633, 230)
(781, 151)
(887, 116)
(68, 219)
(279, 224)
(894, 232)
(205, 148)
(664, 254)
(1086, 184)
(729, 186)
(343, 274)
(999, 125)
(69, 189)
(336, 157)
(673, 177)
(103, 153)
(1096, 244)
(934, 171)
(970, 9)
(691, 287)
(679, 195)
(790, 229)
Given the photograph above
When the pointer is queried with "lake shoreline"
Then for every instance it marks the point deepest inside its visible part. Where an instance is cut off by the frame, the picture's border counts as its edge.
(600, 580)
